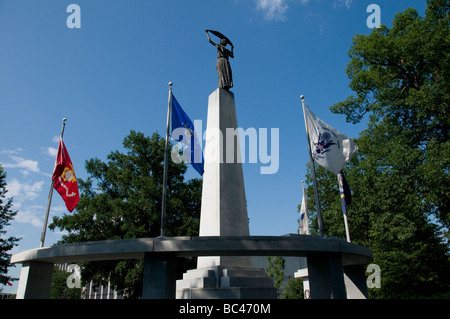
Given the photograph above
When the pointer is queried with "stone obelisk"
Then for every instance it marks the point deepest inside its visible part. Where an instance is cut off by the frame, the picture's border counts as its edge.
(224, 213)
(224, 207)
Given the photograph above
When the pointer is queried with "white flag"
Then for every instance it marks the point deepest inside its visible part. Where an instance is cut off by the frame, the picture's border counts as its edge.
(304, 218)
(329, 147)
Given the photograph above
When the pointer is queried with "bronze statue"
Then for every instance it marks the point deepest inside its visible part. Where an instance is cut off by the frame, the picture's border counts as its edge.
(223, 65)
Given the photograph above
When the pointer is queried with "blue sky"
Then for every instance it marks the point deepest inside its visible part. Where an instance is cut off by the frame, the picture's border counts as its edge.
(111, 76)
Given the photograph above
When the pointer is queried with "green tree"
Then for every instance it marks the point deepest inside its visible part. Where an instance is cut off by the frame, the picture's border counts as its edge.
(6, 244)
(401, 77)
(275, 270)
(294, 289)
(400, 177)
(121, 199)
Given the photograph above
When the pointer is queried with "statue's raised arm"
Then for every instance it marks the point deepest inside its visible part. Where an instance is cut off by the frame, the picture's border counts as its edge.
(209, 38)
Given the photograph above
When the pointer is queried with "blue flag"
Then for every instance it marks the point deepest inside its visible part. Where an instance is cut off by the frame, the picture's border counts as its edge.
(183, 131)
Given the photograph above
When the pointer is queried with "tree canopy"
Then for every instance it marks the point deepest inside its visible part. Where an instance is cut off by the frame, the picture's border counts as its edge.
(400, 176)
(6, 244)
(121, 199)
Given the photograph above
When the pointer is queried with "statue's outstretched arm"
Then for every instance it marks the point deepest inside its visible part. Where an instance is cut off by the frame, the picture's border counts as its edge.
(209, 39)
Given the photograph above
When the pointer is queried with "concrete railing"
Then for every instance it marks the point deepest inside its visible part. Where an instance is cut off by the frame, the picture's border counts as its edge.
(328, 260)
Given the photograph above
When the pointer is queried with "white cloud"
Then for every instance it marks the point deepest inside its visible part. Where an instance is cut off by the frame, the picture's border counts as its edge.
(34, 214)
(273, 10)
(52, 151)
(54, 210)
(16, 151)
(27, 165)
(342, 3)
(22, 192)
(29, 217)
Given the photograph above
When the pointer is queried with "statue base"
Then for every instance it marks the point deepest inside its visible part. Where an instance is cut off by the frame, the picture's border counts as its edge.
(225, 283)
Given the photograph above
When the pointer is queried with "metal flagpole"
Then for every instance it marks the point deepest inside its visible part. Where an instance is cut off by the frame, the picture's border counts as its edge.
(313, 171)
(341, 190)
(50, 195)
(166, 151)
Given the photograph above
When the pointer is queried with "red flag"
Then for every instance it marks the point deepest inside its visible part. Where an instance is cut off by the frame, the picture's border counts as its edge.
(64, 179)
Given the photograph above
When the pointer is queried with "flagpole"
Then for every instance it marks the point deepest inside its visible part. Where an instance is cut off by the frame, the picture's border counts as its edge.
(341, 190)
(50, 195)
(166, 152)
(313, 171)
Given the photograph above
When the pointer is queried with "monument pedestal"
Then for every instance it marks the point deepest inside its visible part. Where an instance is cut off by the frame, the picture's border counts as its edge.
(220, 282)
(224, 212)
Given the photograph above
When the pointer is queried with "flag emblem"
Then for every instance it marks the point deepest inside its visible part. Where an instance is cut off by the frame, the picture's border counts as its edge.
(324, 143)
(69, 174)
